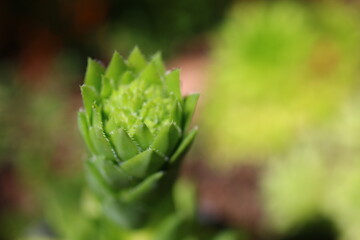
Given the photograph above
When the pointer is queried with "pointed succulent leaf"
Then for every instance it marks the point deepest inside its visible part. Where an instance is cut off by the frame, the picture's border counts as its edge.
(123, 144)
(143, 164)
(126, 78)
(189, 108)
(101, 144)
(106, 86)
(97, 118)
(143, 136)
(143, 189)
(126, 215)
(89, 96)
(96, 181)
(157, 59)
(177, 113)
(172, 81)
(136, 60)
(116, 68)
(175, 227)
(110, 126)
(97, 135)
(150, 74)
(117, 177)
(93, 74)
(112, 174)
(167, 139)
(84, 130)
(184, 146)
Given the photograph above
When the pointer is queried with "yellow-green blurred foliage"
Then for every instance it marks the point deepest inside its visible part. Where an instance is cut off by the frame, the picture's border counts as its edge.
(319, 176)
(279, 69)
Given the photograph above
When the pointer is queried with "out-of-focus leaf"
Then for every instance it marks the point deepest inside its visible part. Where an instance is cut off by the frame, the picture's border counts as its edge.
(116, 68)
(172, 81)
(166, 139)
(89, 96)
(143, 136)
(184, 146)
(93, 74)
(143, 190)
(136, 60)
(190, 102)
(124, 146)
(143, 164)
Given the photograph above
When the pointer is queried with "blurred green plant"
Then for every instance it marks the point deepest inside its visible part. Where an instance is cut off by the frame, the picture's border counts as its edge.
(279, 69)
(36, 171)
(318, 177)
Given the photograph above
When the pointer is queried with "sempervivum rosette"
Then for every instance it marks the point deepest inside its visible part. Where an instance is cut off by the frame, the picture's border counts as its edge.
(134, 123)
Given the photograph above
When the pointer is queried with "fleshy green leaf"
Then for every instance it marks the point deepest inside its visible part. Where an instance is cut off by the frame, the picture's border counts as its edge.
(229, 235)
(106, 86)
(89, 96)
(111, 125)
(174, 227)
(167, 139)
(97, 116)
(93, 74)
(150, 74)
(98, 137)
(101, 145)
(177, 114)
(116, 68)
(136, 60)
(157, 59)
(189, 108)
(143, 189)
(143, 136)
(96, 180)
(172, 81)
(126, 215)
(126, 78)
(84, 130)
(124, 146)
(115, 176)
(143, 164)
(184, 146)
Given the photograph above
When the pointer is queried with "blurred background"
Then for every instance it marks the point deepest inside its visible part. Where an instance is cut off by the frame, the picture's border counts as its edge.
(277, 156)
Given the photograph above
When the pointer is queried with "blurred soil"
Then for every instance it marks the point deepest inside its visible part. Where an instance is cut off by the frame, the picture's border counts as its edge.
(229, 198)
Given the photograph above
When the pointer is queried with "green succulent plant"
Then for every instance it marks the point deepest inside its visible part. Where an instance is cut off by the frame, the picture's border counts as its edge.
(134, 123)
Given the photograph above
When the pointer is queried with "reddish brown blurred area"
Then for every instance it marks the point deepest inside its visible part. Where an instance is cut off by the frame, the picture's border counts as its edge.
(232, 198)
(33, 34)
